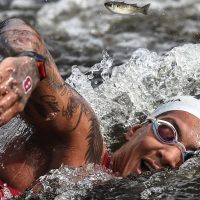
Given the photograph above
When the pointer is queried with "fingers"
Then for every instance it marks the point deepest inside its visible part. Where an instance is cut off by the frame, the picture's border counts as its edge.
(10, 113)
(4, 89)
(6, 68)
(7, 87)
(16, 85)
(8, 101)
(10, 105)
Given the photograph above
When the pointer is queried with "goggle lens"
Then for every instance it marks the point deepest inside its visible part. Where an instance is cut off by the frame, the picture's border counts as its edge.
(166, 133)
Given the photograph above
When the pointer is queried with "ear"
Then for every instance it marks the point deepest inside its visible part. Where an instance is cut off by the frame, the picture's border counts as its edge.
(131, 131)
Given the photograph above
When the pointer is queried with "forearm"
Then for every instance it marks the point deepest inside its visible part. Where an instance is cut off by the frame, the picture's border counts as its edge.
(18, 79)
(18, 39)
(16, 36)
(55, 107)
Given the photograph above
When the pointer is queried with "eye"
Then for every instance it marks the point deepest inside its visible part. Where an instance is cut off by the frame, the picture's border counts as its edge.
(166, 133)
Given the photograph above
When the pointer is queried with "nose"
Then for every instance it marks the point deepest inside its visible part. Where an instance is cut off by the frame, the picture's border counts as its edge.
(170, 157)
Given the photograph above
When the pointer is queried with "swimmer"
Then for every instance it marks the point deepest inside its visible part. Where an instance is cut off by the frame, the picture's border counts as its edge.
(65, 128)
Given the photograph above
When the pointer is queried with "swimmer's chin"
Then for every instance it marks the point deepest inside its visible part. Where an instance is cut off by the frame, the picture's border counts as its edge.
(142, 167)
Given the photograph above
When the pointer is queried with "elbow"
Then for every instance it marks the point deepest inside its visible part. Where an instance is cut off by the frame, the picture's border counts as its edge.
(10, 22)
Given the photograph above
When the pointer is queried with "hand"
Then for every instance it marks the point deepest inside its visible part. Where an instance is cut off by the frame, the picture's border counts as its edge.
(18, 78)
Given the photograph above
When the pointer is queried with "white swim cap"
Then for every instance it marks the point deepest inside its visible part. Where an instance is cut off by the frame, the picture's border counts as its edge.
(190, 104)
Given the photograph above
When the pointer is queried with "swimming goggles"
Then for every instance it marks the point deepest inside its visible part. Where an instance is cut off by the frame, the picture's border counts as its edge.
(166, 133)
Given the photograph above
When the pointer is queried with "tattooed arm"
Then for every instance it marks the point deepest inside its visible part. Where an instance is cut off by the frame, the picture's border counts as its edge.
(18, 76)
(61, 117)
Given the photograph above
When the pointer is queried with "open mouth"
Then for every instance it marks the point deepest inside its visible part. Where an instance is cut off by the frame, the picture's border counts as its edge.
(145, 166)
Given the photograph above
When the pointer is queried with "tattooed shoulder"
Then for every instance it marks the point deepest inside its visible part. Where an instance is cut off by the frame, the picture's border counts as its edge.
(94, 137)
(95, 142)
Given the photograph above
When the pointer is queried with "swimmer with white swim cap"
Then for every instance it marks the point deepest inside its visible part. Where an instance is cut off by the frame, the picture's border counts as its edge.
(66, 130)
(167, 138)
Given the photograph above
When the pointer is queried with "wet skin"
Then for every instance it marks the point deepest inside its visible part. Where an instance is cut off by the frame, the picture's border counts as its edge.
(144, 152)
(65, 128)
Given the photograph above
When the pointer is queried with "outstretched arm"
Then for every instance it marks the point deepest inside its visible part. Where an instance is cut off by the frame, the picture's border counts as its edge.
(59, 114)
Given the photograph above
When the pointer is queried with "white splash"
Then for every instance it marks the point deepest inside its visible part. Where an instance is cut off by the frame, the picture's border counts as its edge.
(70, 183)
(139, 85)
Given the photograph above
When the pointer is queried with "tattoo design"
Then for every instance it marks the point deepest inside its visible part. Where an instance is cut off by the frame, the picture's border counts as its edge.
(64, 90)
(46, 106)
(22, 69)
(49, 60)
(17, 36)
(27, 84)
(94, 138)
(40, 108)
(52, 83)
(22, 36)
(71, 108)
(95, 142)
(50, 100)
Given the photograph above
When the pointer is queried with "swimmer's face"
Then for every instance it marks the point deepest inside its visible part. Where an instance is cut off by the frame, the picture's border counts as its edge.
(144, 152)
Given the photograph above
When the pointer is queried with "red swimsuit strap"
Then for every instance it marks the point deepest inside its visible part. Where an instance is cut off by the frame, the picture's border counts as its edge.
(106, 160)
(7, 190)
